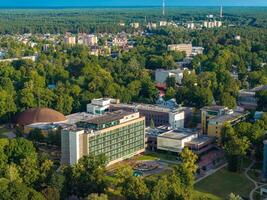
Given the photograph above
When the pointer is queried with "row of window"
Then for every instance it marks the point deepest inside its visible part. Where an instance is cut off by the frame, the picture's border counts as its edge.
(117, 145)
(139, 134)
(113, 155)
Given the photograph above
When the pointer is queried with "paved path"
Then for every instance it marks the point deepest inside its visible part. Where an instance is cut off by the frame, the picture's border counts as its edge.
(257, 184)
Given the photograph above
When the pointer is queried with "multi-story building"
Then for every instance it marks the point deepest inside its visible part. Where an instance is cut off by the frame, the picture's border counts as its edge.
(197, 51)
(69, 39)
(158, 115)
(89, 40)
(213, 118)
(135, 25)
(212, 24)
(161, 75)
(151, 25)
(187, 48)
(163, 23)
(174, 140)
(118, 135)
(100, 106)
(247, 98)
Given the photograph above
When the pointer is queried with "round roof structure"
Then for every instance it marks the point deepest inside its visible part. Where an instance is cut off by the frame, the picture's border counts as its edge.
(38, 115)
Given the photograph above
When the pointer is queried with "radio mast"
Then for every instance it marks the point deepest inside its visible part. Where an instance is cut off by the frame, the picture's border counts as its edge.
(163, 8)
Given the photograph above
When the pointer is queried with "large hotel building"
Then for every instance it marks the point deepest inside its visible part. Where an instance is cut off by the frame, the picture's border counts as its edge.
(118, 135)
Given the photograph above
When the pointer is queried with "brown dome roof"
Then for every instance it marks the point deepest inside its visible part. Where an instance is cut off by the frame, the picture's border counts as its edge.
(38, 115)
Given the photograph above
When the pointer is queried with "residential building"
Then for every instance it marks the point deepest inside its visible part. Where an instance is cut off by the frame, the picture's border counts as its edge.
(213, 118)
(70, 40)
(135, 25)
(118, 135)
(187, 48)
(212, 24)
(151, 25)
(197, 51)
(161, 75)
(163, 23)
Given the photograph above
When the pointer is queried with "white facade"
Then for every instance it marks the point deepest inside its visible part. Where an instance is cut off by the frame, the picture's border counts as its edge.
(135, 25)
(174, 141)
(197, 51)
(100, 106)
(163, 23)
(162, 75)
(74, 142)
(176, 119)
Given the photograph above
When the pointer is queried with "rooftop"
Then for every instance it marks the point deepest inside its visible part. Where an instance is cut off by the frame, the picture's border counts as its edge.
(147, 107)
(213, 108)
(109, 117)
(227, 117)
(179, 134)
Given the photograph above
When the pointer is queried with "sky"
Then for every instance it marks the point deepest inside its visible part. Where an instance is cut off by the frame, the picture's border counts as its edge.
(119, 3)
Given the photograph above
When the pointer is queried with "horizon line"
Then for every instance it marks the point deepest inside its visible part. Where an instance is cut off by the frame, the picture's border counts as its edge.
(86, 7)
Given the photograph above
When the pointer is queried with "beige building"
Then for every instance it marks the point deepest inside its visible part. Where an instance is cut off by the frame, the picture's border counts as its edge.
(187, 48)
(213, 118)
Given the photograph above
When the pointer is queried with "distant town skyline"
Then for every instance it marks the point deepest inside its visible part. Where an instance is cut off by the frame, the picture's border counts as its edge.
(123, 3)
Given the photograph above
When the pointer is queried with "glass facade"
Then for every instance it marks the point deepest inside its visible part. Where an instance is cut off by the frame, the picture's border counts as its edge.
(119, 142)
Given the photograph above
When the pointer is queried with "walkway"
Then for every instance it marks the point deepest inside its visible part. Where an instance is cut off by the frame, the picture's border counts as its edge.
(257, 184)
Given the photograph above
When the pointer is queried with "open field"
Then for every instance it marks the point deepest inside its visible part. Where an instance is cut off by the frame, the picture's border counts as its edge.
(223, 182)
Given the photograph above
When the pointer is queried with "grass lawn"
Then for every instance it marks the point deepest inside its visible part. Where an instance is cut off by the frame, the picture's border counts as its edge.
(223, 182)
(198, 194)
(147, 157)
(158, 155)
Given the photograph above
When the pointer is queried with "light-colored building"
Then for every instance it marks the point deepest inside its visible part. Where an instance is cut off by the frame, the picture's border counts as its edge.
(118, 135)
(212, 24)
(159, 115)
(163, 23)
(190, 25)
(70, 40)
(100, 106)
(213, 118)
(151, 25)
(89, 40)
(197, 51)
(175, 140)
(161, 75)
(187, 48)
(135, 25)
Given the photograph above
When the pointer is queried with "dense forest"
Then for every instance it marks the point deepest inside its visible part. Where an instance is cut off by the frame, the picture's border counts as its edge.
(106, 20)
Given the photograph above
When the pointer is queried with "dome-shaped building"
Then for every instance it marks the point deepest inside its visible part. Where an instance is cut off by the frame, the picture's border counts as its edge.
(41, 118)
(38, 115)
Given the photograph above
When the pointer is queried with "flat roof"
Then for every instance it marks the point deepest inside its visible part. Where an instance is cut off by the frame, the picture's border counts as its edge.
(201, 140)
(109, 117)
(227, 117)
(148, 107)
(178, 134)
(213, 108)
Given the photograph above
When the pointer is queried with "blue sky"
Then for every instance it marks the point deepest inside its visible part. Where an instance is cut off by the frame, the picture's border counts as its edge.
(69, 3)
